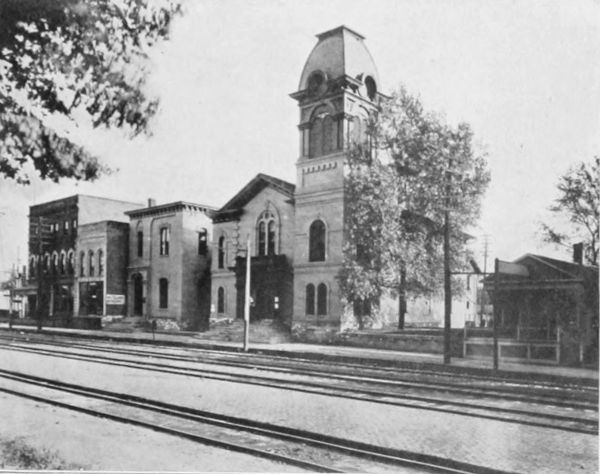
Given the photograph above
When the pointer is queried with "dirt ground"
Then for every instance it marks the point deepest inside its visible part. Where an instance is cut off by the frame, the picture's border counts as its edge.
(82, 441)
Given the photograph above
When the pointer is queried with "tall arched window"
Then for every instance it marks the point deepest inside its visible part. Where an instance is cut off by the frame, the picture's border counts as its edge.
(32, 271)
(91, 263)
(55, 263)
(221, 300)
(62, 264)
(47, 263)
(323, 134)
(316, 241)
(163, 293)
(322, 299)
(221, 252)
(81, 263)
(70, 263)
(100, 262)
(267, 233)
(310, 299)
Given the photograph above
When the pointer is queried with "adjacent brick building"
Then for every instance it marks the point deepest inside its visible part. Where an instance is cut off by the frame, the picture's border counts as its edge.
(168, 275)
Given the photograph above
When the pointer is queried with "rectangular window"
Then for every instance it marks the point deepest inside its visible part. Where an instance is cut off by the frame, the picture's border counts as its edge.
(66, 227)
(140, 244)
(165, 237)
(163, 293)
(203, 242)
(74, 226)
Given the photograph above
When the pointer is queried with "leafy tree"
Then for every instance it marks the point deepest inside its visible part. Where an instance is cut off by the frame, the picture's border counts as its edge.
(67, 61)
(579, 201)
(398, 187)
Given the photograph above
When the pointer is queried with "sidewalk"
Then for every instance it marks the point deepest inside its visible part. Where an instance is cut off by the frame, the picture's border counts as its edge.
(584, 376)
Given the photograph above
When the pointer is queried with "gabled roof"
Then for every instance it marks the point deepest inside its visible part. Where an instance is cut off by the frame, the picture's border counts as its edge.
(170, 207)
(569, 269)
(261, 181)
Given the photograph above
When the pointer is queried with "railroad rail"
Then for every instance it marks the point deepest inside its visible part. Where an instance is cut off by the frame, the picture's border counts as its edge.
(376, 394)
(348, 452)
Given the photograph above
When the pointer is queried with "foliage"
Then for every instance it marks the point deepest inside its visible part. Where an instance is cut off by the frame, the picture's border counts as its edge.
(579, 200)
(398, 189)
(73, 60)
(17, 454)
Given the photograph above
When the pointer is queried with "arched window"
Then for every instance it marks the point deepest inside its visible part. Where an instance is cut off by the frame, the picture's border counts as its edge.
(91, 263)
(221, 252)
(221, 300)
(323, 134)
(62, 264)
(54, 264)
(316, 252)
(47, 263)
(310, 299)
(82, 264)
(70, 264)
(267, 233)
(203, 242)
(100, 262)
(31, 266)
(322, 299)
(163, 293)
(140, 243)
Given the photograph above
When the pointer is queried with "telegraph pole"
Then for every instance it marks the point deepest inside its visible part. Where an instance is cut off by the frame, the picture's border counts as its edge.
(447, 275)
(247, 299)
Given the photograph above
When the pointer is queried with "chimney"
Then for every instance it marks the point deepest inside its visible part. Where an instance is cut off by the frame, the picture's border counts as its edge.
(151, 202)
(578, 253)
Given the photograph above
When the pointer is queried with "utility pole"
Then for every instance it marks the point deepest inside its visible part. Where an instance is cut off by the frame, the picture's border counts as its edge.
(447, 274)
(39, 274)
(485, 256)
(247, 299)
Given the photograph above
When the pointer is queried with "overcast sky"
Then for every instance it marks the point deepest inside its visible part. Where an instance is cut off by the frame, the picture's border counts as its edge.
(524, 74)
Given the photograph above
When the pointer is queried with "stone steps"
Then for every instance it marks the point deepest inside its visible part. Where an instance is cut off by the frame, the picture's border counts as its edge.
(264, 332)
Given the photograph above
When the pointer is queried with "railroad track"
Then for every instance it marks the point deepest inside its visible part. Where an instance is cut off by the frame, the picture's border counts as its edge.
(380, 392)
(310, 448)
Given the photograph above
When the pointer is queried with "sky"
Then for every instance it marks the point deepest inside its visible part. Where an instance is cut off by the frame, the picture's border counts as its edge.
(524, 74)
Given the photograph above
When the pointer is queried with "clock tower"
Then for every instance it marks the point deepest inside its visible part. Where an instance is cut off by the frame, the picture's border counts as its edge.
(338, 91)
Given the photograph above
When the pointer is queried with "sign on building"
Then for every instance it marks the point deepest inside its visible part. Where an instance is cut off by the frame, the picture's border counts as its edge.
(115, 299)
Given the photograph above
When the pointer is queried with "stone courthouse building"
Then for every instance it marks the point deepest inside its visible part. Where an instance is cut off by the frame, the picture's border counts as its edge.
(297, 231)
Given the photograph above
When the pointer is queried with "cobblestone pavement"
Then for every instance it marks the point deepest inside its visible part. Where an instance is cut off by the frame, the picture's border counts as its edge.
(97, 444)
(484, 442)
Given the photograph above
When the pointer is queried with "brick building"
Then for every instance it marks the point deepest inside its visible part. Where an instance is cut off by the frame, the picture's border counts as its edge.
(168, 275)
(263, 212)
(53, 253)
(102, 249)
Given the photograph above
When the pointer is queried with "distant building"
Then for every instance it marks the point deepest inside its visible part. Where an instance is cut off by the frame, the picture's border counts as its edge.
(52, 282)
(168, 275)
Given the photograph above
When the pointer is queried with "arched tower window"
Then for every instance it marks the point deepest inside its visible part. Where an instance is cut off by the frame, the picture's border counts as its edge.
(221, 252)
(322, 299)
(316, 242)
(323, 133)
(267, 233)
(221, 300)
(310, 299)
(54, 267)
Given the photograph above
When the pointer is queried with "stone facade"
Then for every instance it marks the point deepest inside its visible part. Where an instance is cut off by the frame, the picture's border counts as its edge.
(169, 266)
(262, 213)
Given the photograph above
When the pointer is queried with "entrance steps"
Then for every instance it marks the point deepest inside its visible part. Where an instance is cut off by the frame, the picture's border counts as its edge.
(122, 324)
(266, 331)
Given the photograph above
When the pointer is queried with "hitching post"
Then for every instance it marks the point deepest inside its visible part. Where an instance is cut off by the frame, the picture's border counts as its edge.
(247, 298)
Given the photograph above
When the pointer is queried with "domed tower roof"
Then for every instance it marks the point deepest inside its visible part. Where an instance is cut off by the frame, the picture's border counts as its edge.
(339, 53)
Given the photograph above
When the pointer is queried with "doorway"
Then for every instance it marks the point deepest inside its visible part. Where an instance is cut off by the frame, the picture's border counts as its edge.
(138, 295)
